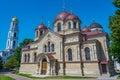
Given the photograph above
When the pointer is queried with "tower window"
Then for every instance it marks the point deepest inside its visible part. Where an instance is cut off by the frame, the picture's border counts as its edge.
(28, 57)
(14, 44)
(41, 32)
(25, 58)
(45, 48)
(70, 54)
(59, 27)
(14, 34)
(87, 53)
(74, 25)
(69, 25)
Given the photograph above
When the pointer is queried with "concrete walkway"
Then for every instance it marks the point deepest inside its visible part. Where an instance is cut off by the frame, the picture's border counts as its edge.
(16, 77)
(107, 78)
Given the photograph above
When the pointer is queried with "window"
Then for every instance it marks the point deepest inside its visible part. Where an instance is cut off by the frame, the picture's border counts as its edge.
(25, 58)
(35, 57)
(14, 34)
(59, 27)
(52, 47)
(70, 54)
(41, 32)
(36, 33)
(28, 57)
(48, 46)
(69, 25)
(87, 53)
(45, 48)
(14, 44)
(74, 25)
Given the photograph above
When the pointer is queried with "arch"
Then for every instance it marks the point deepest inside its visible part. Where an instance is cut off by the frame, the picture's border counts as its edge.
(15, 34)
(44, 66)
(28, 57)
(59, 27)
(41, 32)
(48, 46)
(69, 25)
(52, 47)
(70, 54)
(74, 24)
(35, 57)
(87, 53)
(45, 48)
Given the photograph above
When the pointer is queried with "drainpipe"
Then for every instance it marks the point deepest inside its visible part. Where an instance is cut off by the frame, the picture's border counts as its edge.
(81, 61)
(63, 55)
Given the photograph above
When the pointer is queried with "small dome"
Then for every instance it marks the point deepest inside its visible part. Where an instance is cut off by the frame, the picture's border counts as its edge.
(41, 26)
(14, 19)
(72, 16)
(95, 25)
(85, 29)
(62, 15)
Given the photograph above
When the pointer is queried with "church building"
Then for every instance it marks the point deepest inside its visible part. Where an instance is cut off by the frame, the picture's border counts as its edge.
(68, 49)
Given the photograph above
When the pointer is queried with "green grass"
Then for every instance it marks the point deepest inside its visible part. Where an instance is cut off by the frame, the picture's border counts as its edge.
(56, 77)
(3, 77)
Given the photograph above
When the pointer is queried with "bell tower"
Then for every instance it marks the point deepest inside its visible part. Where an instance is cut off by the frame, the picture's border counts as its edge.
(12, 35)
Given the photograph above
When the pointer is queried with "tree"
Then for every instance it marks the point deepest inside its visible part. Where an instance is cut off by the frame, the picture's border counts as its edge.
(11, 63)
(1, 65)
(114, 25)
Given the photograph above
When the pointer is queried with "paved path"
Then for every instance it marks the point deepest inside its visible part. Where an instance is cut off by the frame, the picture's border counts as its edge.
(16, 77)
(107, 78)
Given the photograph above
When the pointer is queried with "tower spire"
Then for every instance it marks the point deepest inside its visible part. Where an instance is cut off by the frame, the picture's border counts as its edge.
(48, 24)
(71, 10)
(42, 19)
(63, 5)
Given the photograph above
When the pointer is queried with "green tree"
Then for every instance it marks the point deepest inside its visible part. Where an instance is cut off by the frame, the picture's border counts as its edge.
(1, 65)
(11, 63)
(114, 25)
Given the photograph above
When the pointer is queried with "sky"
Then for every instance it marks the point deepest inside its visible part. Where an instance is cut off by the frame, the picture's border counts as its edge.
(30, 12)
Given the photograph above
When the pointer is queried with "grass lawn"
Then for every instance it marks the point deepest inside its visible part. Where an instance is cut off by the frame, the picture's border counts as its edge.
(58, 77)
(3, 77)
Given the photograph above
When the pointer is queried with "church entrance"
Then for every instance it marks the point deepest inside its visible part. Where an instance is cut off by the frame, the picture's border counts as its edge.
(104, 70)
(44, 66)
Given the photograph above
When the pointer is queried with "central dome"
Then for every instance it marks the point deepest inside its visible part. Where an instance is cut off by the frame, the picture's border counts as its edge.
(72, 16)
(95, 25)
(62, 15)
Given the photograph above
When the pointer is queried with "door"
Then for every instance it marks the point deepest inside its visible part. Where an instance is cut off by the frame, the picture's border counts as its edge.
(104, 70)
(44, 67)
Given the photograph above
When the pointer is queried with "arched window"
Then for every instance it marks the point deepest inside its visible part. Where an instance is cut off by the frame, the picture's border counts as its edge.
(28, 57)
(52, 47)
(14, 34)
(45, 48)
(48, 46)
(14, 43)
(74, 25)
(87, 53)
(35, 57)
(25, 58)
(69, 25)
(59, 27)
(70, 54)
(41, 32)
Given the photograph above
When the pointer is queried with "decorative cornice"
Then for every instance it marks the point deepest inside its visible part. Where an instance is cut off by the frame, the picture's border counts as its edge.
(26, 49)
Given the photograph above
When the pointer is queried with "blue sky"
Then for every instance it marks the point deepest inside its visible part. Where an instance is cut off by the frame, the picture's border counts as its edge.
(29, 13)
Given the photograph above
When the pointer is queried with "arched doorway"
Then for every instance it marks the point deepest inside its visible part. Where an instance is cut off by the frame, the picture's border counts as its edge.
(44, 66)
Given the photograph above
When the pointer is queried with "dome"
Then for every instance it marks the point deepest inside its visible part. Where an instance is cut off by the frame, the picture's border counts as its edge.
(62, 15)
(85, 29)
(14, 19)
(95, 25)
(72, 16)
(41, 26)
